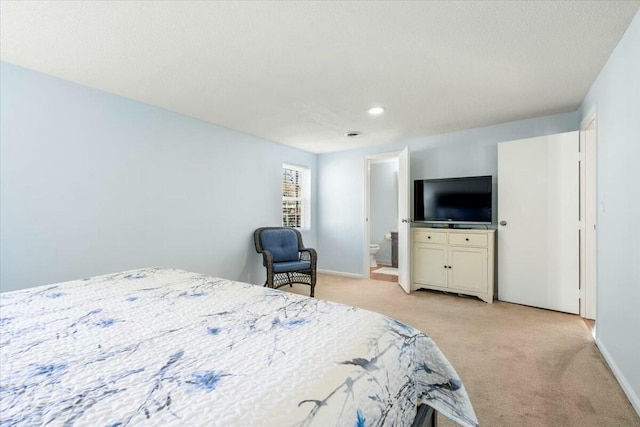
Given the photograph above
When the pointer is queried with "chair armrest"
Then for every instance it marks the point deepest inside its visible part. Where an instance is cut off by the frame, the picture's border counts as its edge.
(267, 258)
(308, 254)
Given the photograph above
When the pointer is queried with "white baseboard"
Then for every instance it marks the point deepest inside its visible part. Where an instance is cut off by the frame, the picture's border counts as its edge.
(626, 387)
(340, 273)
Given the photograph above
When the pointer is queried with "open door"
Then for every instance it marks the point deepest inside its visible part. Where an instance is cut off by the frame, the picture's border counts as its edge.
(538, 204)
(404, 221)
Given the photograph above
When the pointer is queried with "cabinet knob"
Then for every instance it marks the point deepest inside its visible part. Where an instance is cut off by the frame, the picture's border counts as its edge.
(503, 223)
(428, 237)
(467, 239)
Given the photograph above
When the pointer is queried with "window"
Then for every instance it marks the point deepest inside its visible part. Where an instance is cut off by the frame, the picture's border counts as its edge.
(296, 196)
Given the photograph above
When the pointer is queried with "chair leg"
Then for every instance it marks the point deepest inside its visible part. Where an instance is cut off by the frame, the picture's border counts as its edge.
(312, 278)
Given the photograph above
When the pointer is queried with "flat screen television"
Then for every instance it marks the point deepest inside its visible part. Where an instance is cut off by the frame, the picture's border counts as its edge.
(453, 200)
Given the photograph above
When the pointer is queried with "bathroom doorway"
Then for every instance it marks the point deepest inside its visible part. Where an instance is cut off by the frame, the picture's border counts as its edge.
(383, 219)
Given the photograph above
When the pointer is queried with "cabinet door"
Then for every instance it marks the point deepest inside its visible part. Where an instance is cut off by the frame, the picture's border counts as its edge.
(468, 269)
(429, 263)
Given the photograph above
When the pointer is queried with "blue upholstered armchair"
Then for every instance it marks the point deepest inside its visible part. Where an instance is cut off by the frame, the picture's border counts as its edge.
(285, 257)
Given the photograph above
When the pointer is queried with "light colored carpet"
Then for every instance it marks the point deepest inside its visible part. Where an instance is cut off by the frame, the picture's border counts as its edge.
(387, 270)
(521, 366)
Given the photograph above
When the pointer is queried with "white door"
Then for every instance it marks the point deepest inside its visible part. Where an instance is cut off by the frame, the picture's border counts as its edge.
(538, 204)
(404, 243)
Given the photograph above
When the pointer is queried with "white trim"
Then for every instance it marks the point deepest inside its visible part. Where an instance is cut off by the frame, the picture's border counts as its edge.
(626, 387)
(382, 157)
(300, 168)
(588, 118)
(582, 310)
(366, 228)
(379, 161)
(588, 213)
(343, 274)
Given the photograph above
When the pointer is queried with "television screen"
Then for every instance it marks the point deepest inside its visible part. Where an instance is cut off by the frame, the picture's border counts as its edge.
(453, 200)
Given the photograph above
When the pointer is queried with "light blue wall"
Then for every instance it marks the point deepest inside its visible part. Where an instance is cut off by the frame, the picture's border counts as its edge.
(383, 206)
(93, 183)
(615, 98)
(341, 210)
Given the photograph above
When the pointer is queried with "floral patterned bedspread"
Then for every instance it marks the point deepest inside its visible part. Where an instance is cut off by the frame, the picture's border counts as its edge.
(158, 346)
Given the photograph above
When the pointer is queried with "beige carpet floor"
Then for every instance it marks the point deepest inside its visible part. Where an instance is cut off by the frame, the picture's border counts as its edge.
(521, 366)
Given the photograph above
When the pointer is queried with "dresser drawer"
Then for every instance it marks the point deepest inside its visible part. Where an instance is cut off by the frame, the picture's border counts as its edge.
(468, 239)
(428, 236)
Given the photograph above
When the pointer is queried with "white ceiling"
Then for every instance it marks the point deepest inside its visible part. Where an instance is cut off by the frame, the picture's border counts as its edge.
(304, 73)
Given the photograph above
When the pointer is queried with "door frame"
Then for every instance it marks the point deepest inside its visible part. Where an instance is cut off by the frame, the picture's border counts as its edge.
(368, 161)
(404, 224)
(588, 216)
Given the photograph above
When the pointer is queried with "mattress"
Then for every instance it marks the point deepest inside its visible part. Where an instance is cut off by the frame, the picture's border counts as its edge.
(162, 346)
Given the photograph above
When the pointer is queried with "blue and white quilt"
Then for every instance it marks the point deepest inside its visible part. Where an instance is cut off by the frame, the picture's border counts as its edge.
(169, 347)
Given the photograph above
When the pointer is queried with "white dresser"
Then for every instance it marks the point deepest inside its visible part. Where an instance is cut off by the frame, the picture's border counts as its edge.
(458, 261)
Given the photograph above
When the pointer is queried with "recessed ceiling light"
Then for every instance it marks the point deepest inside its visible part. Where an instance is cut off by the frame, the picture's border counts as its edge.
(353, 134)
(375, 111)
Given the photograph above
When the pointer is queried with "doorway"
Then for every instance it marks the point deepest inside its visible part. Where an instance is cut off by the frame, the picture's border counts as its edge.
(383, 219)
(401, 216)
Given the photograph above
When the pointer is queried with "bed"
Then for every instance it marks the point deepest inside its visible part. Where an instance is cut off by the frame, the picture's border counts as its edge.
(161, 346)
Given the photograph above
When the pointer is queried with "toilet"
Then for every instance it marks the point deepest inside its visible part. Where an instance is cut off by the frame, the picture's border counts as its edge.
(373, 250)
